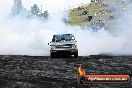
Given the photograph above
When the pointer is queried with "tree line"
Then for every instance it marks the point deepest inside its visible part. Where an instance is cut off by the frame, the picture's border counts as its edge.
(35, 10)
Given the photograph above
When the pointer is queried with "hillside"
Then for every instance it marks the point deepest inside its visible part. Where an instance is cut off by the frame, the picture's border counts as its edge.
(87, 14)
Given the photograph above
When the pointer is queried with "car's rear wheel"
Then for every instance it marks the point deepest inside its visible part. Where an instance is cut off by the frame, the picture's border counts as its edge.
(76, 55)
(52, 55)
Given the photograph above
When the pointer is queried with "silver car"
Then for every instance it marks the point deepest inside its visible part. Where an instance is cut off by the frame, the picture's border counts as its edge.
(63, 44)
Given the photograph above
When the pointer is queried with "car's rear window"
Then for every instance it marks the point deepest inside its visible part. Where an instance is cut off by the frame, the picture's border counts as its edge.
(63, 37)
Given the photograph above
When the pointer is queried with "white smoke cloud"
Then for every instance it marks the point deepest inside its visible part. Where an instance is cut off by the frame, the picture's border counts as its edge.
(23, 36)
(124, 30)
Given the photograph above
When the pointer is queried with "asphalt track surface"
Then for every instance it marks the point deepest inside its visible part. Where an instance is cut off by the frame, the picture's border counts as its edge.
(18, 71)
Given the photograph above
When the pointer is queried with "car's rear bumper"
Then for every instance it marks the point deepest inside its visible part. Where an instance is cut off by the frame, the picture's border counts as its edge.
(64, 51)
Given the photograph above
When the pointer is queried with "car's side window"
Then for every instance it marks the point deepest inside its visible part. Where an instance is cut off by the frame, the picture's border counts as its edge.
(53, 40)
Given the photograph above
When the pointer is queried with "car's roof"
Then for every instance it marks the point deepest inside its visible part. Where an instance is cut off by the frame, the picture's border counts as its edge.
(63, 34)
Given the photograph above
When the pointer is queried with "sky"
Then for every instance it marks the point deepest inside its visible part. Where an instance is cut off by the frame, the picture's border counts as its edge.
(52, 5)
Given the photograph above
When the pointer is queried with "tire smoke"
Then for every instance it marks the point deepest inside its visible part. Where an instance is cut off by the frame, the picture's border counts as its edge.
(23, 36)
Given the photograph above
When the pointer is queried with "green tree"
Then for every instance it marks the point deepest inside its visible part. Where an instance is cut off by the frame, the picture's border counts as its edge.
(45, 14)
(17, 8)
(35, 9)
